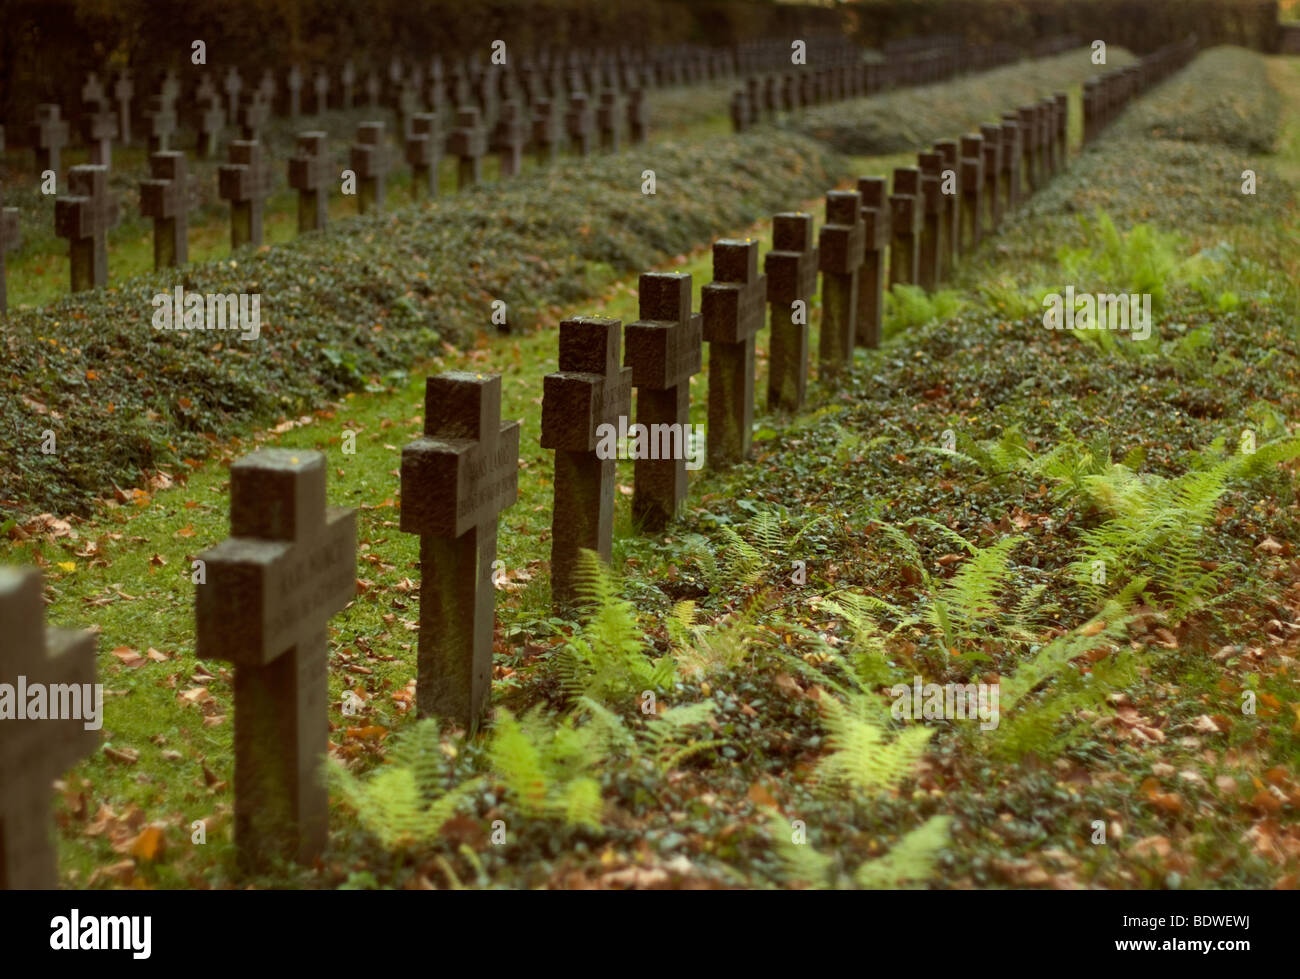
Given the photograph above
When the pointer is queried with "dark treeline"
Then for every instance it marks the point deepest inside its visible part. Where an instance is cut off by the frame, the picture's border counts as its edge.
(48, 46)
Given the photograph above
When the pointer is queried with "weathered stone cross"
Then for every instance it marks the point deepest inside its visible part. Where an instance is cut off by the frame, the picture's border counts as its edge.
(468, 142)
(456, 480)
(842, 246)
(49, 134)
(733, 314)
(166, 199)
(791, 270)
(10, 239)
(310, 172)
(424, 153)
(371, 162)
(34, 751)
(871, 278)
(244, 181)
(589, 390)
(664, 350)
(84, 218)
(907, 216)
(289, 564)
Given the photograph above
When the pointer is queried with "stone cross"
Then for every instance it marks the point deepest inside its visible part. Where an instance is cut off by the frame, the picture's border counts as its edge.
(165, 198)
(49, 134)
(871, 278)
(1062, 134)
(99, 121)
(244, 181)
(371, 163)
(931, 268)
(349, 80)
(1047, 134)
(1029, 161)
(288, 565)
(791, 270)
(424, 153)
(310, 171)
(253, 112)
(664, 350)
(232, 84)
(123, 90)
(609, 119)
(638, 116)
(992, 169)
(372, 90)
(972, 190)
(906, 218)
(456, 480)
(1011, 156)
(267, 88)
(589, 390)
(509, 137)
(579, 123)
(468, 142)
(733, 314)
(842, 246)
(160, 115)
(321, 90)
(10, 239)
(212, 119)
(739, 107)
(293, 83)
(949, 151)
(84, 218)
(548, 129)
(35, 751)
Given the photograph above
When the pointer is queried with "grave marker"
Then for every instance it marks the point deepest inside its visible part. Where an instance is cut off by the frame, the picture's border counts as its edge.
(165, 198)
(931, 267)
(871, 277)
(468, 143)
(1011, 154)
(972, 191)
(424, 153)
(10, 239)
(293, 84)
(456, 480)
(49, 134)
(245, 182)
(123, 90)
(1062, 134)
(950, 151)
(84, 218)
(349, 79)
(842, 245)
(609, 119)
(371, 163)
(160, 118)
(791, 270)
(579, 123)
(992, 171)
(589, 390)
(321, 90)
(252, 115)
(1029, 147)
(289, 564)
(232, 84)
(212, 120)
(310, 173)
(664, 350)
(509, 137)
(733, 314)
(34, 751)
(548, 129)
(638, 116)
(906, 218)
(99, 121)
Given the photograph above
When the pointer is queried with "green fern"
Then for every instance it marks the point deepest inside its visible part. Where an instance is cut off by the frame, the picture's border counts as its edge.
(547, 768)
(407, 802)
(608, 659)
(909, 864)
(863, 757)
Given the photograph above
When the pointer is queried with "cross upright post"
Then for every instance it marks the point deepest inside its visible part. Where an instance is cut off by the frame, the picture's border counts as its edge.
(165, 198)
(791, 270)
(310, 172)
